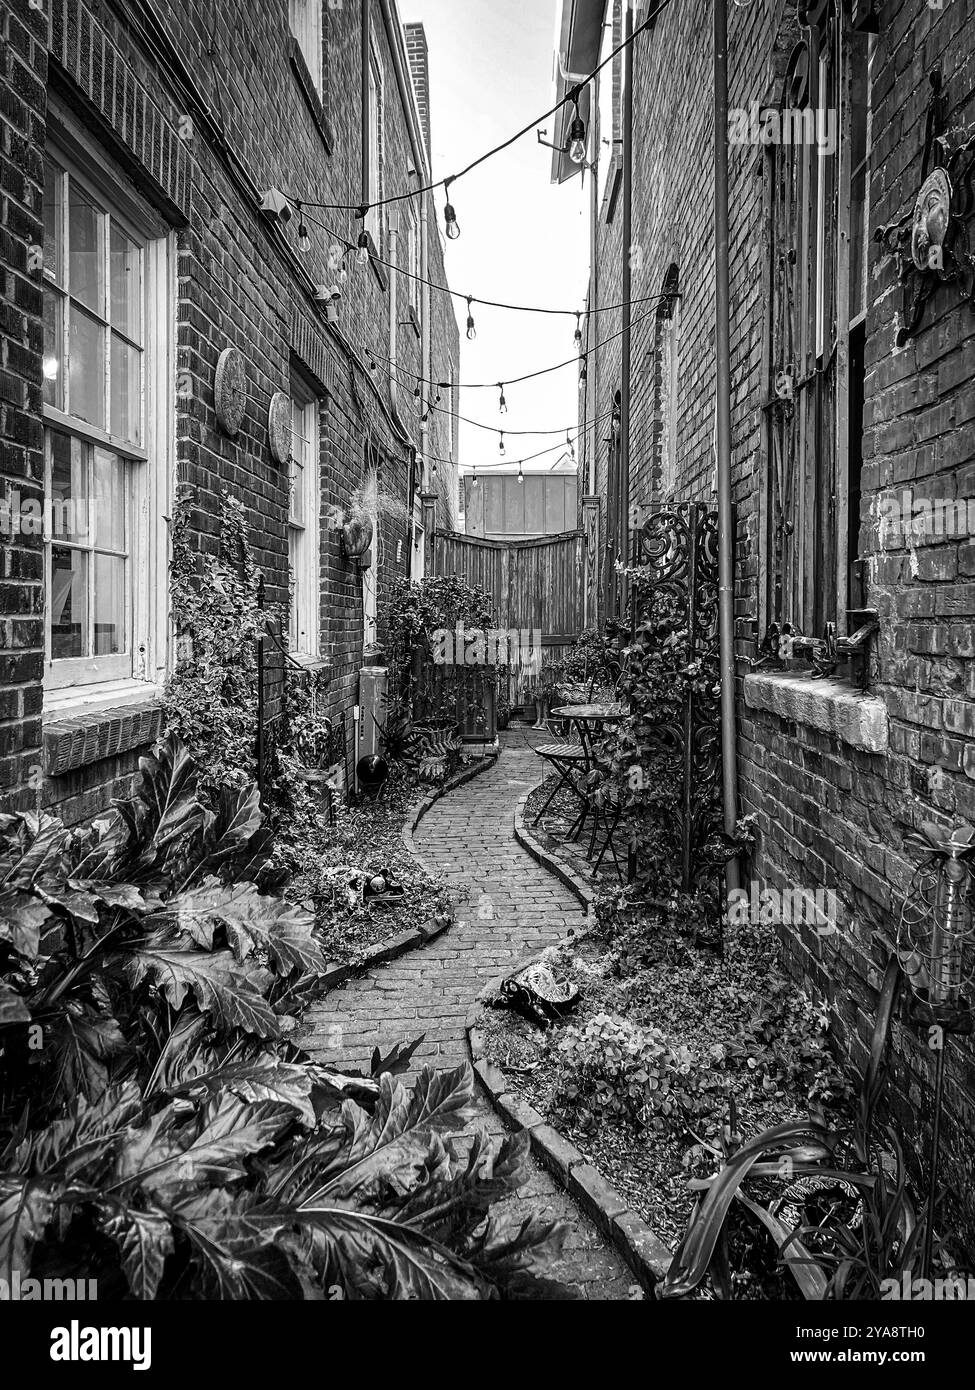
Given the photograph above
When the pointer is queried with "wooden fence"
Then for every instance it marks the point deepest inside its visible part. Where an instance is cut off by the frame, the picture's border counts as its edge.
(537, 587)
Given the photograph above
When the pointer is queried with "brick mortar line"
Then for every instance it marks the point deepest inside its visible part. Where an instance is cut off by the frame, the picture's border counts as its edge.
(402, 942)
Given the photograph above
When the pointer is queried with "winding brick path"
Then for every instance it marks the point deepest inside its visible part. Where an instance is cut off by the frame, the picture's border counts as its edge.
(507, 908)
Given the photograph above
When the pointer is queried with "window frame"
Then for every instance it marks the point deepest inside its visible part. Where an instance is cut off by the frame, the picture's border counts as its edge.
(308, 31)
(305, 569)
(141, 670)
(373, 93)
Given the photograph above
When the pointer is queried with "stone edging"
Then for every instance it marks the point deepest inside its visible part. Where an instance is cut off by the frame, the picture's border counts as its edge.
(642, 1249)
(404, 941)
(573, 881)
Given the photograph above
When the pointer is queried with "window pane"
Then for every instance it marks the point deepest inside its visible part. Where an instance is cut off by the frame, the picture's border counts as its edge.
(109, 605)
(86, 368)
(53, 184)
(53, 348)
(108, 502)
(69, 611)
(69, 489)
(126, 391)
(84, 245)
(126, 269)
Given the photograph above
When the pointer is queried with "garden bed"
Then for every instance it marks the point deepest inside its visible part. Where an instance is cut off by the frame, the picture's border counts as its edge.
(662, 1056)
(369, 837)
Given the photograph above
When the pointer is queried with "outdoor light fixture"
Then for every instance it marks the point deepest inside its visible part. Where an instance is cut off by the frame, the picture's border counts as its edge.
(471, 330)
(521, 476)
(577, 335)
(501, 445)
(452, 226)
(577, 135)
(362, 253)
(502, 404)
(304, 240)
(417, 393)
(475, 481)
(583, 373)
(571, 447)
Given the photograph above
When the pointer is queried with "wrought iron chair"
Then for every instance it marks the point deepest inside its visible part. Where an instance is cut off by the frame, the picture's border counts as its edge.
(566, 756)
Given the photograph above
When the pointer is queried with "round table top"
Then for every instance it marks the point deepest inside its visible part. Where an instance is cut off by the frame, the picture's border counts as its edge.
(607, 713)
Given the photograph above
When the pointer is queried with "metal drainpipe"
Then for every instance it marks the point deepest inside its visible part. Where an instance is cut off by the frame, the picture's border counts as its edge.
(623, 502)
(726, 539)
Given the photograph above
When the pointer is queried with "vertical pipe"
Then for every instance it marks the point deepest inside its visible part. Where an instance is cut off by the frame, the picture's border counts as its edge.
(726, 538)
(623, 502)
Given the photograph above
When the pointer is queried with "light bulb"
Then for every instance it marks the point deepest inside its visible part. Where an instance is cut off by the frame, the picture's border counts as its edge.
(471, 330)
(521, 476)
(362, 254)
(577, 140)
(501, 446)
(502, 404)
(304, 240)
(452, 226)
(475, 480)
(577, 335)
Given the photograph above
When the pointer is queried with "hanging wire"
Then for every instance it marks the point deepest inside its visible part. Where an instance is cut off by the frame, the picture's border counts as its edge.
(569, 97)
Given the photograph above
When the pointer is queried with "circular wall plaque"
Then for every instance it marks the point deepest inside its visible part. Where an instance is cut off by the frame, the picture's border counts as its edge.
(230, 389)
(279, 427)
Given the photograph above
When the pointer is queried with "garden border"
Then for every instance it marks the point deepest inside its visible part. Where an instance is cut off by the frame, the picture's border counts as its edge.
(646, 1254)
(402, 942)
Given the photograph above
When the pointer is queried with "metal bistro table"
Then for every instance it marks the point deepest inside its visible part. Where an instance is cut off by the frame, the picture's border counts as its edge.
(590, 722)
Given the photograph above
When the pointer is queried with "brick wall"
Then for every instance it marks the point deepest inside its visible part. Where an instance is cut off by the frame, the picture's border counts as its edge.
(202, 112)
(22, 106)
(831, 815)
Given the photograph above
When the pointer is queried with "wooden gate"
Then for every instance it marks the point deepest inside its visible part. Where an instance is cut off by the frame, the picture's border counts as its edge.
(536, 586)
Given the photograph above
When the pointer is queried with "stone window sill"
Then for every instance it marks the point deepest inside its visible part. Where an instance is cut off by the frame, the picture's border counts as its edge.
(849, 715)
(79, 739)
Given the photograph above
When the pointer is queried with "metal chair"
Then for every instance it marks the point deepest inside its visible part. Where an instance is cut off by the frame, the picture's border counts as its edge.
(566, 757)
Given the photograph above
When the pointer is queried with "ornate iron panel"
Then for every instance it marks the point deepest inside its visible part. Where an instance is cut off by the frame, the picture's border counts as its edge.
(677, 546)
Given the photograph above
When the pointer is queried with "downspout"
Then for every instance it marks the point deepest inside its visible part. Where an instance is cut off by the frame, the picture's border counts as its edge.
(404, 83)
(726, 539)
(625, 386)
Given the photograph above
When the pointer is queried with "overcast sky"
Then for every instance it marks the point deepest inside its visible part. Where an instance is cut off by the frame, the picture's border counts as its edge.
(522, 240)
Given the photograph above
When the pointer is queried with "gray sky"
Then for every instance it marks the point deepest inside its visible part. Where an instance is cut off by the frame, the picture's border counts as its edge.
(522, 239)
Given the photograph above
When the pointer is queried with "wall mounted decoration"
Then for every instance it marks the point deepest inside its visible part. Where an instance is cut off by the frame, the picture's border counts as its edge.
(230, 389)
(279, 427)
(931, 241)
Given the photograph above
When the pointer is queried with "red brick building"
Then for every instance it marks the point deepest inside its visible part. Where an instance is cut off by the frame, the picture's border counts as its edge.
(156, 300)
(853, 416)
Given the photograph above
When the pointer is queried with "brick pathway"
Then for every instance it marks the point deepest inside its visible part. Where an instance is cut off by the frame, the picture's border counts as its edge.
(508, 907)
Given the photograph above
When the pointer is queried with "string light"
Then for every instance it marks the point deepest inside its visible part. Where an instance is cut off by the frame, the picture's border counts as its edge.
(362, 254)
(571, 446)
(502, 404)
(577, 335)
(452, 227)
(471, 330)
(304, 240)
(577, 133)
(521, 476)
(475, 481)
(583, 372)
(501, 445)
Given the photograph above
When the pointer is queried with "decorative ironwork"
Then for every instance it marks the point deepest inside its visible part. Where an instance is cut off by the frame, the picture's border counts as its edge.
(677, 548)
(931, 240)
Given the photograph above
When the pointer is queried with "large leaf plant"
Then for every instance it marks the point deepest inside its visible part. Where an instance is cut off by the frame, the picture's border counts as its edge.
(160, 1129)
